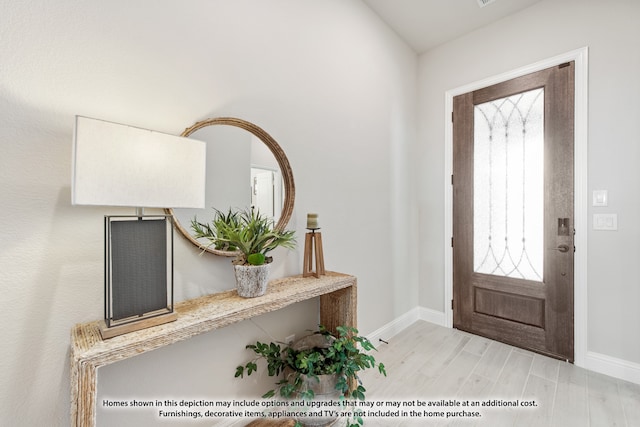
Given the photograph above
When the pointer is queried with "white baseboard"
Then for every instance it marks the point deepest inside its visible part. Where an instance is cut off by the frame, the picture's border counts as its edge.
(601, 363)
(432, 316)
(395, 326)
(400, 323)
(617, 368)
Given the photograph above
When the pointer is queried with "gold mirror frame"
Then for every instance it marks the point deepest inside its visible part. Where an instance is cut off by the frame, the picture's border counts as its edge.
(278, 153)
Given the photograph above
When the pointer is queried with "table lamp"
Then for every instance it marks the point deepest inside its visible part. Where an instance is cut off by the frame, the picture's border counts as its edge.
(120, 165)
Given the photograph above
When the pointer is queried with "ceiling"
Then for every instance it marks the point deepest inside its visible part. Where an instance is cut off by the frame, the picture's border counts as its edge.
(424, 24)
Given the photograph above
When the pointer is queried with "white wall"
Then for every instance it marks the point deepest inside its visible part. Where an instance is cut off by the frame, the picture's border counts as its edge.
(551, 27)
(325, 78)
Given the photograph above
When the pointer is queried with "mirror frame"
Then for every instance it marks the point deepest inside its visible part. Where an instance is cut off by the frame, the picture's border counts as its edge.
(281, 158)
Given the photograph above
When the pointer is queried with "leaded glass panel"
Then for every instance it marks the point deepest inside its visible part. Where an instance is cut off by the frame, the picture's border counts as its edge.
(508, 186)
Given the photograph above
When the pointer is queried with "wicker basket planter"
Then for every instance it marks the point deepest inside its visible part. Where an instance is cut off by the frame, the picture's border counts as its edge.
(323, 386)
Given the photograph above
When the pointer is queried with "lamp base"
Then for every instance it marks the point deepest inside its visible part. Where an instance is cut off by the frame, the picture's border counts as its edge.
(138, 273)
(109, 332)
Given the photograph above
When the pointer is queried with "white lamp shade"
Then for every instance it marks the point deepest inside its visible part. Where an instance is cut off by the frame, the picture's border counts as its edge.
(120, 165)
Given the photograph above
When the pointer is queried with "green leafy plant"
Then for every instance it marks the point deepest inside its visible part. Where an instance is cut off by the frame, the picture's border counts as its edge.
(215, 231)
(250, 233)
(346, 355)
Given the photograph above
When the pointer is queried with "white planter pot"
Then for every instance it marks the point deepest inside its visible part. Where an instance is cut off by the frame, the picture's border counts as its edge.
(251, 280)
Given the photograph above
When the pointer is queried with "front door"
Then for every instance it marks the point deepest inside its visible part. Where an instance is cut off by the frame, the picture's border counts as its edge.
(513, 211)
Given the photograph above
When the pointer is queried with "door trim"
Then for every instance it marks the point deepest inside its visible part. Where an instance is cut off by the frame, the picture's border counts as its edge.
(580, 56)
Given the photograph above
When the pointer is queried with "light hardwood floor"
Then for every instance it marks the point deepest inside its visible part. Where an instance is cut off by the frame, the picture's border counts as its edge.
(426, 362)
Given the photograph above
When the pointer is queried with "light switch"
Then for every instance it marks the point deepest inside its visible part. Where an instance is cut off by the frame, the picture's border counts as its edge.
(607, 222)
(600, 198)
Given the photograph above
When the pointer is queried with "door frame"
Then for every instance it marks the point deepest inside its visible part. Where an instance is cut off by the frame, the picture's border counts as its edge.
(581, 199)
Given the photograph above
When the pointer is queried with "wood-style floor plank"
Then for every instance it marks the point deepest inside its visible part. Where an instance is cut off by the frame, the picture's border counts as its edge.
(429, 362)
(571, 408)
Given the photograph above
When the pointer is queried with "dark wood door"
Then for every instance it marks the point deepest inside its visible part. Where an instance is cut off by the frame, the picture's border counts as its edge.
(513, 211)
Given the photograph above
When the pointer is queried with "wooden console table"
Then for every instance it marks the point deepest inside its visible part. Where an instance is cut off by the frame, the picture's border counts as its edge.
(338, 306)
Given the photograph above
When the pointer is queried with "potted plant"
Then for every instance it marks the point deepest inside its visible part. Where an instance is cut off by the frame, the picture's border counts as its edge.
(253, 236)
(322, 365)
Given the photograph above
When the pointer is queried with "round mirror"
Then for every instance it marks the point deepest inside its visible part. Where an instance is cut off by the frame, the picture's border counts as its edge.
(245, 168)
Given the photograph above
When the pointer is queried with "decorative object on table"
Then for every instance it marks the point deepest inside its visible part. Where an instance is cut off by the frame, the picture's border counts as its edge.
(313, 243)
(253, 235)
(322, 365)
(120, 165)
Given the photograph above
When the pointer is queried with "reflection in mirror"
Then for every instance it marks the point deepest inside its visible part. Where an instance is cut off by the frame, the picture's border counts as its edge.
(245, 168)
(266, 191)
(232, 156)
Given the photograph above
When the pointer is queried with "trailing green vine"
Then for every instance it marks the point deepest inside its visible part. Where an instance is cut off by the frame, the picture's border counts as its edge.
(345, 355)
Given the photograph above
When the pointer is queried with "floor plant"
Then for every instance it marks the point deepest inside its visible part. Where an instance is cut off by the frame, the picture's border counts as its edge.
(345, 355)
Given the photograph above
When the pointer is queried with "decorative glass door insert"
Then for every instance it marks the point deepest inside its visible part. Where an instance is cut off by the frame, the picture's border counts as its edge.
(509, 186)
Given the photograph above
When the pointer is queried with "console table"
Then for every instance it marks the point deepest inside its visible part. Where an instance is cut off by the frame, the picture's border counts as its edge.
(338, 306)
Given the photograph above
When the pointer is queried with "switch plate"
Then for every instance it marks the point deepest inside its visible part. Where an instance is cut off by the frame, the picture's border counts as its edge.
(608, 222)
(600, 198)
